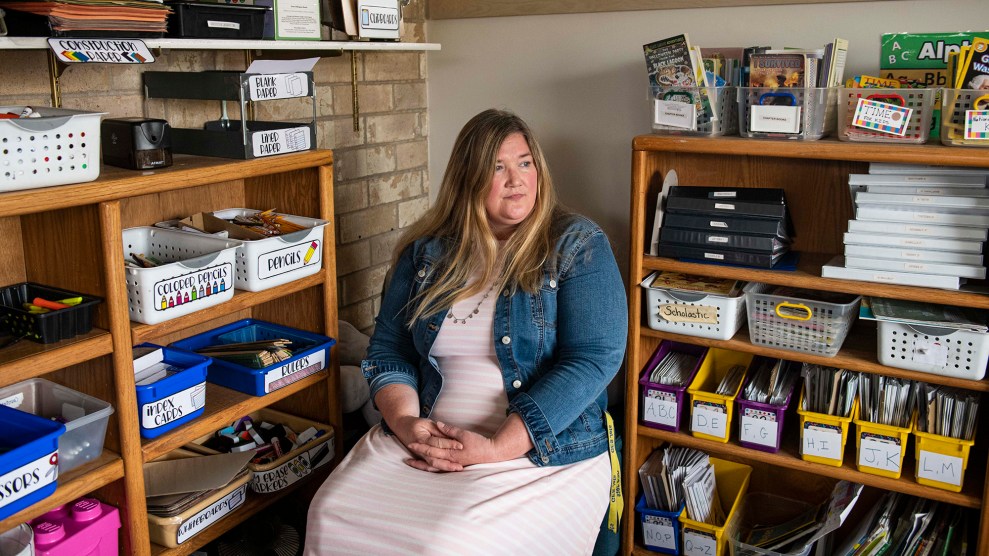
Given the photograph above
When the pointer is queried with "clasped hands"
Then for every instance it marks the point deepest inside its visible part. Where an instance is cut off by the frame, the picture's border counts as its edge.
(441, 447)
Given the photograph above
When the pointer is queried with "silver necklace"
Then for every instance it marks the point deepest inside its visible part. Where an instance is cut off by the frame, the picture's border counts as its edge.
(477, 309)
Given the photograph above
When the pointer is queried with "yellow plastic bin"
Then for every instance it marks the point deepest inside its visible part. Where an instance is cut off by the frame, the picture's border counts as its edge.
(941, 460)
(823, 436)
(881, 448)
(732, 480)
(710, 413)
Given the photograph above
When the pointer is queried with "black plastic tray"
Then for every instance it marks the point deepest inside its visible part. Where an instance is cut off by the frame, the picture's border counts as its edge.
(48, 327)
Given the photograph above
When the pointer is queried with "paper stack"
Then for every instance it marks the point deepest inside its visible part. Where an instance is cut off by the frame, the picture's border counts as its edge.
(920, 226)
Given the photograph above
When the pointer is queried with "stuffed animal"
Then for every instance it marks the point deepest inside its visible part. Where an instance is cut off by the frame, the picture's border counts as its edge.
(354, 391)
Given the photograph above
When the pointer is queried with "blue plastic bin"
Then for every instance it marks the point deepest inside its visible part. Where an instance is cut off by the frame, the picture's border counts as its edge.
(311, 354)
(28, 459)
(175, 399)
(660, 530)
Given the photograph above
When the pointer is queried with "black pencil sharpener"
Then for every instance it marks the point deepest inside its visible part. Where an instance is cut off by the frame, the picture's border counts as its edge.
(136, 143)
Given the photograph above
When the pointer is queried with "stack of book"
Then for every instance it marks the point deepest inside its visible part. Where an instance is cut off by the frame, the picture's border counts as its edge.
(744, 226)
(90, 18)
(921, 226)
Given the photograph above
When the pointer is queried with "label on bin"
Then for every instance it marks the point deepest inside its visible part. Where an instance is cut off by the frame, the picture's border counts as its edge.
(658, 531)
(172, 408)
(660, 407)
(709, 418)
(280, 141)
(14, 401)
(679, 312)
(293, 470)
(277, 85)
(28, 478)
(699, 543)
(821, 440)
(881, 116)
(176, 291)
(287, 259)
(880, 452)
(294, 370)
(759, 427)
(195, 524)
(771, 118)
(977, 124)
(674, 114)
(930, 352)
(940, 467)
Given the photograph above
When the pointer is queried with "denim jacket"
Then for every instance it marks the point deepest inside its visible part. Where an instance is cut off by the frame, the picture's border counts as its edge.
(558, 349)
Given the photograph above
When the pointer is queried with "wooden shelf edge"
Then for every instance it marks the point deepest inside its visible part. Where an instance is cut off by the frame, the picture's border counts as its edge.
(255, 503)
(852, 358)
(233, 405)
(240, 301)
(27, 359)
(105, 469)
(40, 43)
(904, 484)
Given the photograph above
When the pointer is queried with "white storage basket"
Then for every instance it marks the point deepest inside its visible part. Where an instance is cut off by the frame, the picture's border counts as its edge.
(198, 272)
(693, 314)
(934, 349)
(60, 147)
(266, 263)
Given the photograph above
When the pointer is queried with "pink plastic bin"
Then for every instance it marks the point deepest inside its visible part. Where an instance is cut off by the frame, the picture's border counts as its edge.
(86, 526)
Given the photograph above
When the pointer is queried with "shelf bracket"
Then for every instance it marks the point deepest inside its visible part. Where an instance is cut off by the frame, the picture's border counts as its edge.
(55, 70)
(249, 117)
(353, 88)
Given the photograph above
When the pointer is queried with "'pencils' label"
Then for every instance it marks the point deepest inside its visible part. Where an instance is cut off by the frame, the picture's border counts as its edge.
(172, 408)
(28, 478)
(977, 124)
(287, 259)
(294, 370)
(671, 113)
(280, 141)
(278, 85)
(882, 117)
(940, 467)
(197, 523)
(658, 532)
(291, 471)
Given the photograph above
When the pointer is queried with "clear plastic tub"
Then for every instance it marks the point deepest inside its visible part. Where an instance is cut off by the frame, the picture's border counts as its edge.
(85, 417)
(798, 324)
(668, 102)
(710, 413)
(963, 116)
(932, 349)
(761, 510)
(711, 316)
(915, 105)
(197, 272)
(60, 147)
(662, 404)
(786, 113)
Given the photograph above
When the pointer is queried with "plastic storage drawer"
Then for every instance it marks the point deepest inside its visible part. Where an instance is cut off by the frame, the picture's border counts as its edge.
(941, 460)
(823, 436)
(60, 147)
(291, 467)
(176, 399)
(711, 413)
(313, 356)
(85, 417)
(963, 116)
(811, 109)
(916, 105)
(881, 448)
(764, 510)
(660, 530)
(28, 459)
(723, 316)
(662, 404)
(216, 21)
(760, 425)
(53, 326)
(798, 324)
(682, 101)
(931, 349)
(198, 272)
(732, 482)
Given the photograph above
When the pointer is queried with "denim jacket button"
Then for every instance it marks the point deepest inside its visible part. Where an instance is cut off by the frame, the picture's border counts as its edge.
(545, 459)
(505, 292)
(517, 384)
(552, 283)
(425, 409)
(422, 273)
(506, 340)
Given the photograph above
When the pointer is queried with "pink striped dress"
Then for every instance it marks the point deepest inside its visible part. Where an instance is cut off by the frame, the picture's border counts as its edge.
(373, 503)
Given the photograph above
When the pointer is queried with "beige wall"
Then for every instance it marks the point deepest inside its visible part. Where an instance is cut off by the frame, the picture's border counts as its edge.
(580, 80)
(380, 172)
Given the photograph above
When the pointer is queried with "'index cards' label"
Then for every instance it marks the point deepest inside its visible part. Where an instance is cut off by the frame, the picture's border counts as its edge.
(172, 408)
(882, 117)
(278, 85)
(674, 114)
(775, 119)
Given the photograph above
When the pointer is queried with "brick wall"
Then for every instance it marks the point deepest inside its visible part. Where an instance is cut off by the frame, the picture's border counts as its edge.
(381, 180)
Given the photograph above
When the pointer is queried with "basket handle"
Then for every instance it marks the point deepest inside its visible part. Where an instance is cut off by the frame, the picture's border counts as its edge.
(983, 100)
(796, 306)
(888, 98)
(774, 98)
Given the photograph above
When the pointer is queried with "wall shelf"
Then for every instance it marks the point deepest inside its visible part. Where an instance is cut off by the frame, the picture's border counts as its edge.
(41, 43)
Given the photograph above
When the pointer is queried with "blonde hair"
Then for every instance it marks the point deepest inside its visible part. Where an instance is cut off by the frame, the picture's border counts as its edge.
(460, 219)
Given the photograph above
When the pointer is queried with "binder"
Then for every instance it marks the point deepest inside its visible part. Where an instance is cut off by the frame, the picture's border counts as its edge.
(836, 269)
(913, 242)
(977, 205)
(941, 269)
(921, 255)
(917, 229)
(747, 258)
(746, 201)
(719, 240)
(730, 224)
(929, 216)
